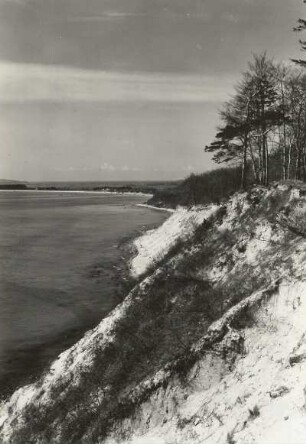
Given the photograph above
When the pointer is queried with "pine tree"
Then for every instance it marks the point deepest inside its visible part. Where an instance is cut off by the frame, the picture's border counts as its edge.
(248, 119)
(301, 26)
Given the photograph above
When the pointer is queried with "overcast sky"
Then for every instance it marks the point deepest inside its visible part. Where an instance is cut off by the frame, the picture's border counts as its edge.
(125, 89)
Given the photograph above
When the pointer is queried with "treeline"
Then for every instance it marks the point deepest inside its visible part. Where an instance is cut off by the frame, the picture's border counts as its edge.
(13, 186)
(264, 124)
(211, 186)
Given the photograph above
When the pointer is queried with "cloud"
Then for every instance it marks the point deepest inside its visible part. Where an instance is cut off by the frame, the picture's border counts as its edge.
(22, 3)
(19, 2)
(103, 167)
(129, 168)
(112, 15)
(164, 13)
(32, 82)
(231, 18)
(106, 166)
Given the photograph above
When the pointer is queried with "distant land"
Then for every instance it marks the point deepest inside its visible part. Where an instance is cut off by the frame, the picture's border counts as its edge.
(4, 181)
(12, 185)
(116, 187)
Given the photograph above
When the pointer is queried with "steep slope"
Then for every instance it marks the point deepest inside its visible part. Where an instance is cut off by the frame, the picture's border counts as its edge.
(208, 347)
(155, 244)
(248, 387)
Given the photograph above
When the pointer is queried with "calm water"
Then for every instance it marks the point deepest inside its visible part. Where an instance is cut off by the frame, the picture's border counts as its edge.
(57, 257)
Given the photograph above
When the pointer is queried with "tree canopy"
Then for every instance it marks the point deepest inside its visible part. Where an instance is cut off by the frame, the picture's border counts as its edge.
(301, 26)
(263, 126)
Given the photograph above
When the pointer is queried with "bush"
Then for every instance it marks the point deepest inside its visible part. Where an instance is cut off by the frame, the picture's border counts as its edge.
(230, 438)
(254, 412)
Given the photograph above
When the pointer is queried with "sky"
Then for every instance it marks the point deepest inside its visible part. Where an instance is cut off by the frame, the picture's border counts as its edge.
(125, 89)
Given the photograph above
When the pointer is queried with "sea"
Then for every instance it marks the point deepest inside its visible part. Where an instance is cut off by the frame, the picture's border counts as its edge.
(59, 255)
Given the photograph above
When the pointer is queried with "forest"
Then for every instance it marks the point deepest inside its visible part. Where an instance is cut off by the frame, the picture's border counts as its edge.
(263, 125)
(261, 137)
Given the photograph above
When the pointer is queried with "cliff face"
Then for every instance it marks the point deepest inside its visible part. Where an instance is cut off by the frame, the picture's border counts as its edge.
(210, 345)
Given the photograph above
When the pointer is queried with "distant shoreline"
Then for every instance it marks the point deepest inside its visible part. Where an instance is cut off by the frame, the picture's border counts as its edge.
(119, 193)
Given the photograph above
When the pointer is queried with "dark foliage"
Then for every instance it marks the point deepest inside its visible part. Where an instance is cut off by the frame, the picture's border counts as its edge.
(212, 186)
(301, 26)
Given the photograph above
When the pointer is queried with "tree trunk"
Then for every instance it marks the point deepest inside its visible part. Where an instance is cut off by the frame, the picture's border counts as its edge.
(244, 164)
(254, 166)
(284, 153)
(289, 161)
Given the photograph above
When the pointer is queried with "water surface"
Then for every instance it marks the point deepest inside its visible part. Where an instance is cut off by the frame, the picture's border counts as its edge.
(57, 257)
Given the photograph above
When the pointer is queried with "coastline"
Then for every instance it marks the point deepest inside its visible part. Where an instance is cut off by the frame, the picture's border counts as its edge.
(121, 276)
(147, 249)
(123, 347)
(127, 193)
(125, 280)
(152, 207)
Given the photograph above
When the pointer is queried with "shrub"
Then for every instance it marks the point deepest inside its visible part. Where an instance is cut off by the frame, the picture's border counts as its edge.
(254, 412)
(230, 438)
